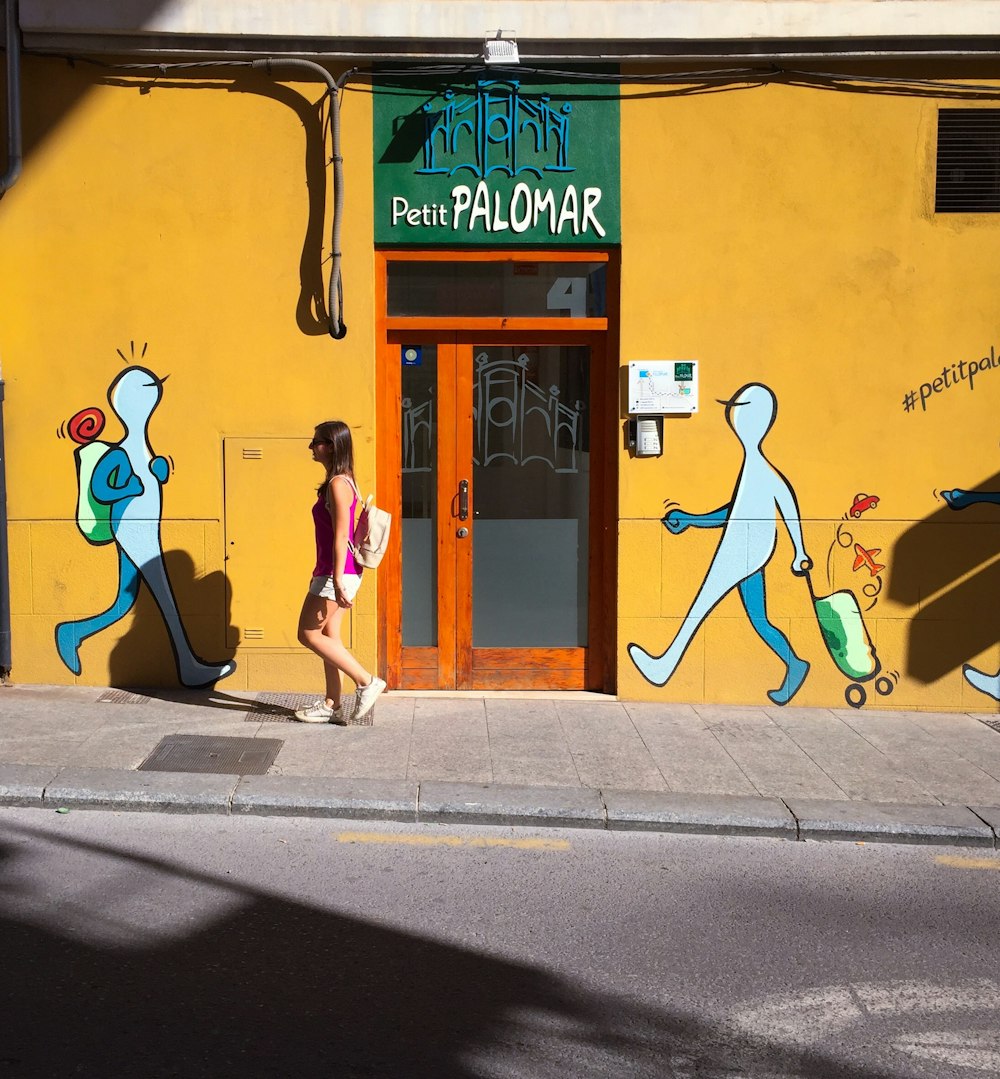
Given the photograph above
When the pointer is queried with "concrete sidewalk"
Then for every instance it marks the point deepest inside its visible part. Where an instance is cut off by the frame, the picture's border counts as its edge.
(532, 759)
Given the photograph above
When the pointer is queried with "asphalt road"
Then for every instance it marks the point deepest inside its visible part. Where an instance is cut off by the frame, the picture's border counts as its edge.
(156, 945)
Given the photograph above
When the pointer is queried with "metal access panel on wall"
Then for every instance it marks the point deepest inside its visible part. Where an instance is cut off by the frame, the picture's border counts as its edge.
(270, 546)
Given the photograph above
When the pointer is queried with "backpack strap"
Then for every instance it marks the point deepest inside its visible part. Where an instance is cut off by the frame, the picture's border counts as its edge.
(353, 485)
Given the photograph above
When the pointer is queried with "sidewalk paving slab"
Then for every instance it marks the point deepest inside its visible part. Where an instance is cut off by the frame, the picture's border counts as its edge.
(706, 814)
(24, 784)
(860, 770)
(688, 755)
(164, 792)
(498, 803)
(530, 760)
(322, 796)
(821, 818)
(766, 755)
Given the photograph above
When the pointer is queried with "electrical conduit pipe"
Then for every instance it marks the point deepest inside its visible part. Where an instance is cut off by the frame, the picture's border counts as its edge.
(335, 299)
(12, 44)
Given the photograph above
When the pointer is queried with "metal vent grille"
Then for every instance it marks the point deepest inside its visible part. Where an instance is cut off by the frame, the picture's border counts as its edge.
(253, 453)
(279, 708)
(213, 754)
(122, 696)
(968, 161)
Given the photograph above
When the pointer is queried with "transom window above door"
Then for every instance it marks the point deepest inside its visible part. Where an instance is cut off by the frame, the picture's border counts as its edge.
(514, 289)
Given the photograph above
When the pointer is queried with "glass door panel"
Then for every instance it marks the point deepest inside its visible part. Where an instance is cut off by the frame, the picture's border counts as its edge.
(419, 476)
(531, 496)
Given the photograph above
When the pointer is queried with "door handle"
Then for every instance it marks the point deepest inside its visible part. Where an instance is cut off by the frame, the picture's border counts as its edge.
(463, 500)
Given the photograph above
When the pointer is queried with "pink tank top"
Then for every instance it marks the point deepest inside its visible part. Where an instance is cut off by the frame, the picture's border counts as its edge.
(324, 540)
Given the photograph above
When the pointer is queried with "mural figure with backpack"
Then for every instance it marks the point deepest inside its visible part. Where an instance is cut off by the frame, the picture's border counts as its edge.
(120, 501)
(749, 536)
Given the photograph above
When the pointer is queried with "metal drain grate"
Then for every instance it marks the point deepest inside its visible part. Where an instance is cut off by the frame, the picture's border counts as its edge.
(121, 696)
(211, 753)
(279, 708)
(993, 724)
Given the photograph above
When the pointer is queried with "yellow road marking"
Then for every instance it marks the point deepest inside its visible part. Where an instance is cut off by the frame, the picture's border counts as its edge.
(959, 861)
(452, 841)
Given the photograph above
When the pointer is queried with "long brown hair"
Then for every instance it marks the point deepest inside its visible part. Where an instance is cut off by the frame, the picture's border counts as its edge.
(338, 434)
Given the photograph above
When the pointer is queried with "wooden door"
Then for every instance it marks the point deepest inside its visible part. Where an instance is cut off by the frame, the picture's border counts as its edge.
(495, 577)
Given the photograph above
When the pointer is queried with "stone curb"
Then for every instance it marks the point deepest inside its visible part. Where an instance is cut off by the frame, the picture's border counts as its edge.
(314, 796)
(890, 823)
(37, 786)
(24, 784)
(164, 792)
(495, 803)
(989, 815)
(712, 814)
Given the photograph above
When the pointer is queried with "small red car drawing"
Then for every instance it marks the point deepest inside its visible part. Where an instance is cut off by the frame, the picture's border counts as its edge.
(863, 502)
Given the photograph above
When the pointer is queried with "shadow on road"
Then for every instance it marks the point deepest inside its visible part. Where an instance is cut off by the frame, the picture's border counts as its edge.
(267, 987)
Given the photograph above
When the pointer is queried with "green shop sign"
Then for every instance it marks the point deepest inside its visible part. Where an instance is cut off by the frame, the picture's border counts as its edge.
(496, 161)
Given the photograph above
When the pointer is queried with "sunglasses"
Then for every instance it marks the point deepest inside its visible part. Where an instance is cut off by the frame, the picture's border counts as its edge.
(319, 442)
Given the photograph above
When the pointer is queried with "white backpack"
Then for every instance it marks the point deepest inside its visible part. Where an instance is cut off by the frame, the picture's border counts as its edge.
(371, 533)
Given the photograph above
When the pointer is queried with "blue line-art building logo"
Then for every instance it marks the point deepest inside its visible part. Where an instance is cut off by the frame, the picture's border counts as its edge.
(496, 160)
(494, 130)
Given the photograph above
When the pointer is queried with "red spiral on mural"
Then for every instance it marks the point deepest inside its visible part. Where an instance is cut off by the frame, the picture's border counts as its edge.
(86, 425)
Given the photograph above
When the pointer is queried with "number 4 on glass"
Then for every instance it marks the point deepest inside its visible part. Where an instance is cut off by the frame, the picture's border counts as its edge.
(568, 294)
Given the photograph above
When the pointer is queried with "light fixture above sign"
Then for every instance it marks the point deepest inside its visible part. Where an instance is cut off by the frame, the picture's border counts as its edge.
(501, 49)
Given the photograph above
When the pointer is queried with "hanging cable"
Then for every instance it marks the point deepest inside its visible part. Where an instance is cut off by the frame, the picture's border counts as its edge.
(335, 288)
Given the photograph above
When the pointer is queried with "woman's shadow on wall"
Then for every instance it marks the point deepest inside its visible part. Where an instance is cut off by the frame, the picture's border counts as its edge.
(144, 657)
(951, 572)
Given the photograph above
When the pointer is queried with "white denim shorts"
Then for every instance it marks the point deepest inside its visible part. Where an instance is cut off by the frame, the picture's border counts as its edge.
(323, 587)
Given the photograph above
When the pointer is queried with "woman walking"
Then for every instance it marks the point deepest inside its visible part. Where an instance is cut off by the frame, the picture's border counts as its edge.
(336, 578)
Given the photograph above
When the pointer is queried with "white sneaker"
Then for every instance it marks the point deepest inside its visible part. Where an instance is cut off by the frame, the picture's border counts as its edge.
(368, 695)
(319, 712)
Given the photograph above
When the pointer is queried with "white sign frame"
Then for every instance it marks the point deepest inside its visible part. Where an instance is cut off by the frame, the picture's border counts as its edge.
(654, 389)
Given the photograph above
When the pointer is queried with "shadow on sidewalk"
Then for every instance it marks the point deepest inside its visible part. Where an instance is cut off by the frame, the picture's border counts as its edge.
(143, 660)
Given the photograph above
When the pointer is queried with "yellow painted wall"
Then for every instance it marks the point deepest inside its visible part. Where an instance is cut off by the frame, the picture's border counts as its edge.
(777, 234)
(786, 236)
(174, 217)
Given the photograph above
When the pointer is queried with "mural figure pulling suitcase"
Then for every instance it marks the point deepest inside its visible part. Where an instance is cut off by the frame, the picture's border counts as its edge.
(749, 537)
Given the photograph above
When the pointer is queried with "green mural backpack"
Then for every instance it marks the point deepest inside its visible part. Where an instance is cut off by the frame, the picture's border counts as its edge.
(93, 518)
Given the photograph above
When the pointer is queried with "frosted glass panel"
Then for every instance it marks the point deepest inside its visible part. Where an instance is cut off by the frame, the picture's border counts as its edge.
(532, 593)
(531, 483)
(419, 584)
